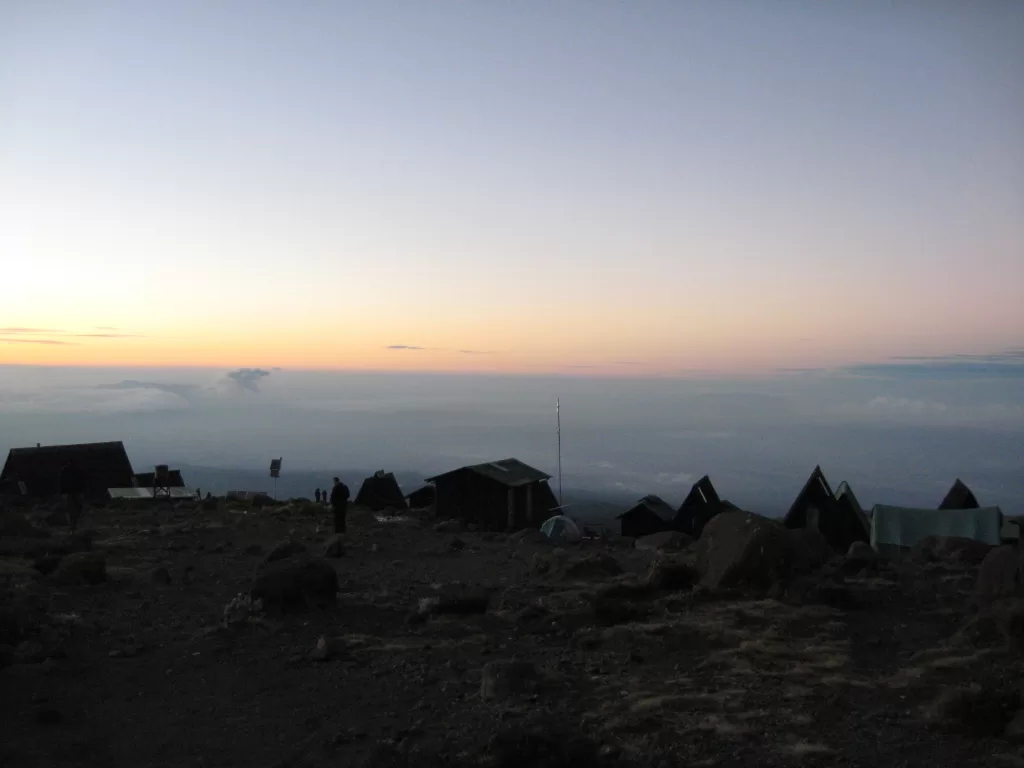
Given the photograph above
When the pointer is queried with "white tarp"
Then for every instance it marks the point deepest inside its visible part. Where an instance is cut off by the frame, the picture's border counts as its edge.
(905, 526)
(147, 493)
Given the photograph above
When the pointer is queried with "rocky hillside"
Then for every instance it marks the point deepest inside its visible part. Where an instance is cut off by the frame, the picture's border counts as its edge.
(220, 635)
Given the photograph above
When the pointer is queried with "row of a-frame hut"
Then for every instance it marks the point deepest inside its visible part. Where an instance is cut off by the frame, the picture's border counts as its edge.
(837, 515)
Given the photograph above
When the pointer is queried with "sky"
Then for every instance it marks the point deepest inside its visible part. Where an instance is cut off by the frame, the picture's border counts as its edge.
(602, 189)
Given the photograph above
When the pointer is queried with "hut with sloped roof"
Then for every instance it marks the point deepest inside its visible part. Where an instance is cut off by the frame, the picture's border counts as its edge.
(380, 491)
(421, 498)
(652, 514)
(46, 470)
(816, 507)
(504, 495)
(960, 497)
(700, 505)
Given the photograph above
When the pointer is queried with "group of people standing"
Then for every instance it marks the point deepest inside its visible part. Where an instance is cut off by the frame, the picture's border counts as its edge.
(338, 498)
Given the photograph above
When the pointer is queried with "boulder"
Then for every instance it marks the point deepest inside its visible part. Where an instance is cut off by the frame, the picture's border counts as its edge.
(671, 574)
(334, 546)
(1001, 574)
(666, 541)
(973, 710)
(507, 678)
(47, 564)
(448, 526)
(597, 565)
(955, 548)
(82, 567)
(806, 550)
(284, 549)
(295, 583)
(15, 524)
(741, 549)
(862, 552)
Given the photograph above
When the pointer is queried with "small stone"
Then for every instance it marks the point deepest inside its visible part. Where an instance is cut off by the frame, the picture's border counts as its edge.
(161, 576)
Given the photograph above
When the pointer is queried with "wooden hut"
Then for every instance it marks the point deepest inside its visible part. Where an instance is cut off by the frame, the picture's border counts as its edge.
(96, 467)
(421, 498)
(497, 496)
(652, 514)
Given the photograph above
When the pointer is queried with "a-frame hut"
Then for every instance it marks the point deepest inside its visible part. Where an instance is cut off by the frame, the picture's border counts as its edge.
(959, 497)
(700, 505)
(652, 514)
(380, 491)
(817, 507)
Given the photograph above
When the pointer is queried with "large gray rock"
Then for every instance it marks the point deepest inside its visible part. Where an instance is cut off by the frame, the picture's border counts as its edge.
(334, 546)
(954, 548)
(666, 541)
(284, 549)
(508, 678)
(82, 568)
(1001, 574)
(806, 550)
(741, 549)
(295, 583)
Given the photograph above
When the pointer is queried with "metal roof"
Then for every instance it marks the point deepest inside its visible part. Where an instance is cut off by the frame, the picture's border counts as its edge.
(655, 504)
(508, 472)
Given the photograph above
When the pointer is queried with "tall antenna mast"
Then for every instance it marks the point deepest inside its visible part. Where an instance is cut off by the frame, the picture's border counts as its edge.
(558, 419)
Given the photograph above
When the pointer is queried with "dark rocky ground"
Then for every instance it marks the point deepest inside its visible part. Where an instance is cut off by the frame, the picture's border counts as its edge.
(470, 649)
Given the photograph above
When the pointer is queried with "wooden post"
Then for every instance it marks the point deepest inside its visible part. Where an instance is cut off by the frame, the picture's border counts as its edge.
(529, 504)
(511, 508)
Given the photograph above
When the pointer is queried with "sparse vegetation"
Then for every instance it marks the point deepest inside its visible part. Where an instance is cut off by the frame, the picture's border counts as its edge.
(401, 644)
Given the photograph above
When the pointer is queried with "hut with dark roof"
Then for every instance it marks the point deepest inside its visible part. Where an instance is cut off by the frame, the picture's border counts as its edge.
(700, 505)
(959, 497)
(421, 498)
(380, 491)
(652, 514)
(817, 507)
(95, 467)
(497, 496)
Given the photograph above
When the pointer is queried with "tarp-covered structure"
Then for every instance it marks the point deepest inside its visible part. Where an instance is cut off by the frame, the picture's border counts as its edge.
(896, 529)
(652, 514)
(818, 508)
(86, 468)
(142, 492)
(561, 528)
(380, 491)
(960, 497)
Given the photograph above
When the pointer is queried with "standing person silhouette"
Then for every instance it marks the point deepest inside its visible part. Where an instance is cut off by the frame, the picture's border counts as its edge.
(71, 486)
(339, 502)
(317, 494)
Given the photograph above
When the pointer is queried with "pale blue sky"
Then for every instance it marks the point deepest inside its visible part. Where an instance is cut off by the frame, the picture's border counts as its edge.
(798, 182)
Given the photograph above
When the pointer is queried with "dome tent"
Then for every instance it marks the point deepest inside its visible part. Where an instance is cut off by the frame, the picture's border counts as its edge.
(561, 528)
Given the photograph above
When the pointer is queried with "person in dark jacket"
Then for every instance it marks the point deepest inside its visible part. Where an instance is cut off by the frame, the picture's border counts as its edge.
(339, 503)
(317, 494)
(72, 486)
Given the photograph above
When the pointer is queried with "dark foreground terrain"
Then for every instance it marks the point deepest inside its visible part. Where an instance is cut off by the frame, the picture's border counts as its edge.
(447, 647)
